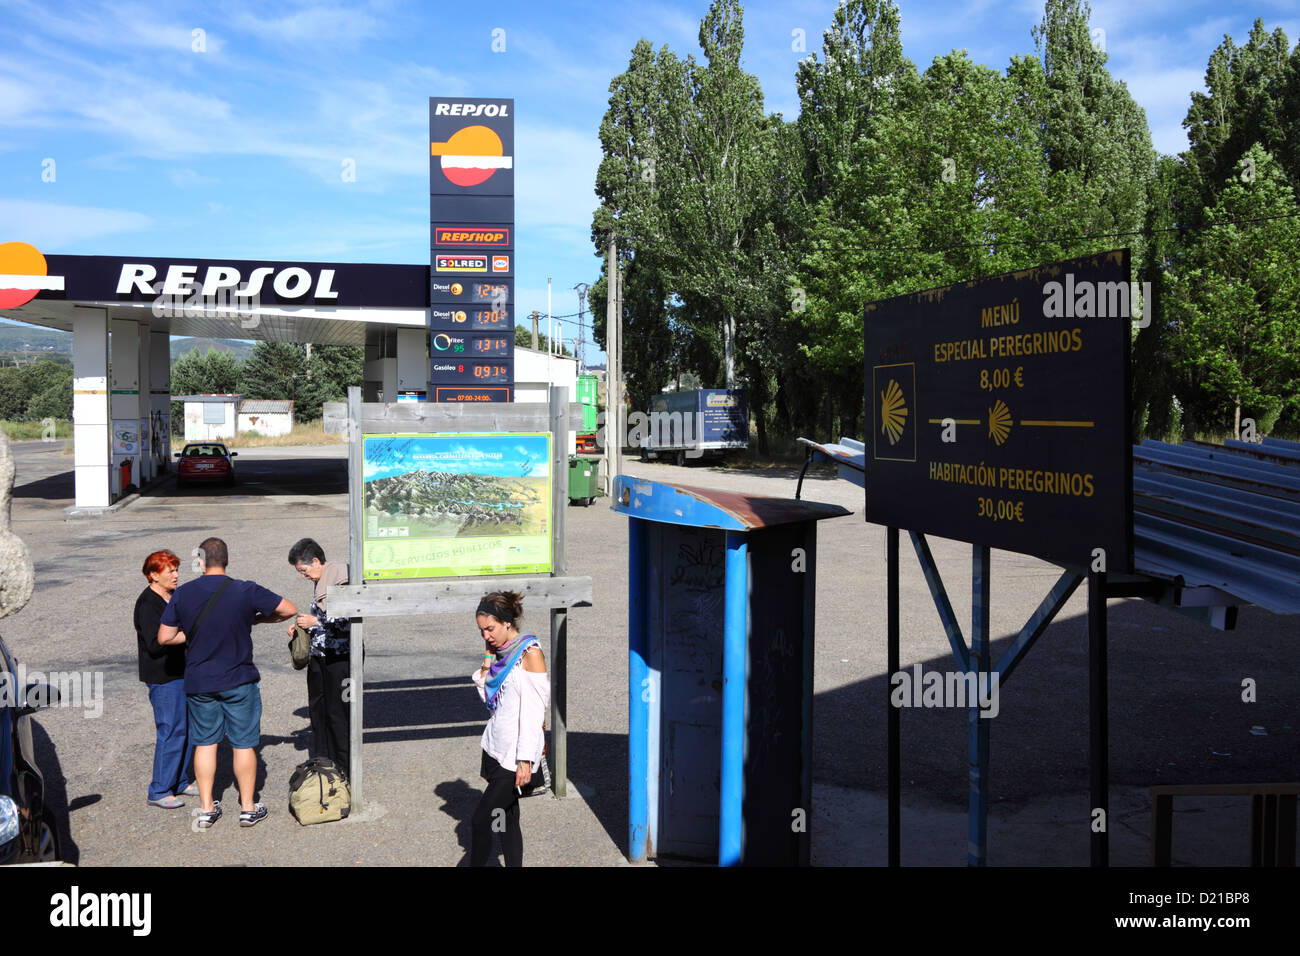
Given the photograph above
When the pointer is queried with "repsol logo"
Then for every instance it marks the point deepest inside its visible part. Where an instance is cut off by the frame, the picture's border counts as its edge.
(471, 109)
(294, 282)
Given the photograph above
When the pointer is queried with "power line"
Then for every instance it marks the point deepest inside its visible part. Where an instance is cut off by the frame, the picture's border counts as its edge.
(1068, 239)
(1048, 240)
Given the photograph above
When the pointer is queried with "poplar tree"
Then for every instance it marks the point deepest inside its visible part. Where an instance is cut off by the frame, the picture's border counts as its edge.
(1233, 301)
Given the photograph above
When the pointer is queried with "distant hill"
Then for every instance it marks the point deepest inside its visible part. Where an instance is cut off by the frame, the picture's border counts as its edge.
(34, 341)
(238, 349)
(30, 342)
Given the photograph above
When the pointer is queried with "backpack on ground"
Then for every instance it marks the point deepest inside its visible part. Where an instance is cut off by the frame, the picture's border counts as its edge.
(318, 792)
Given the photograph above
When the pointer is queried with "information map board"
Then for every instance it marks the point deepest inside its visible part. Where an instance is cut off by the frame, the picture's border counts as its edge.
(445, 505)
(999, 412)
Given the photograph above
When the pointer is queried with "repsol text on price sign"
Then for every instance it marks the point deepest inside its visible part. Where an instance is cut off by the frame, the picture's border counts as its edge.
(998, 411)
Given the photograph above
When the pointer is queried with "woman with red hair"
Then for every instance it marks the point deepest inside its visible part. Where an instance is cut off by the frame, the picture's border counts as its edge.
(162, 668)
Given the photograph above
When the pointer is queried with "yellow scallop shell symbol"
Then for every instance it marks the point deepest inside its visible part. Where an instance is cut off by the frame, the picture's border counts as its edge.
(999, 422)
(893, 412)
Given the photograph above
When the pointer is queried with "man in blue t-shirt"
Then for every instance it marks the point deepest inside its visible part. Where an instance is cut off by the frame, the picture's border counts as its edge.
(221, 683)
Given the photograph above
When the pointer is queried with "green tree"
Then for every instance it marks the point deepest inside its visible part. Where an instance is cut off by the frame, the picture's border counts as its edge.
(212, 373)
(631, 195)
(1094, 138)
(14, 395)
(215, 372)
(280, 370)
(334, 369)
(1252, 96)
(53, 402)
(1233, 299)
(1153, 378)
(717, 163)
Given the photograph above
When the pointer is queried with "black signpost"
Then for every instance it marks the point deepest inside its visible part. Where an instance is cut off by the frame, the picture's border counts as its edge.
(999, 412)
(999, 415)
(472, 249)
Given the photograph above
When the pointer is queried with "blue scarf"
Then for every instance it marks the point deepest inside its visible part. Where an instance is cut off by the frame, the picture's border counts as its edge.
(501, 667)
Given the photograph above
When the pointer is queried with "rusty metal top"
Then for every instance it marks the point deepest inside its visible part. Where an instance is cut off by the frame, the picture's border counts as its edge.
(711, 508)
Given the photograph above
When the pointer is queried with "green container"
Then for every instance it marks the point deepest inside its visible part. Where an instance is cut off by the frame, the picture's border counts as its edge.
(584, 479)
(587, 392)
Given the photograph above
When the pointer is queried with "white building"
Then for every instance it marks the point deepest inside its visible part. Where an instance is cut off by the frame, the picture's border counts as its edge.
(209, 417)
(265, 416)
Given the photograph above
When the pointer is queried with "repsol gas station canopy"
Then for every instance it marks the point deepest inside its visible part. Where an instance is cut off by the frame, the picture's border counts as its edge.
(332, 303)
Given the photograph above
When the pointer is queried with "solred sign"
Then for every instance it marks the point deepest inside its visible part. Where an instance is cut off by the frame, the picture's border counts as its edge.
(461, 263)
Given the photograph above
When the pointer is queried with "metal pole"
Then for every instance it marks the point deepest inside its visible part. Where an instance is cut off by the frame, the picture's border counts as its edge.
(978, 727)
(356, 691)
(356, 647)
(620, 415)
(640, 697)
(892, 718)
(611, 364)
(559, 397)
(1098, 721)
(735, 658)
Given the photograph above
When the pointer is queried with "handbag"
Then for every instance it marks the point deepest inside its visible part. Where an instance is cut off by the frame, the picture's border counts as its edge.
(319, 792)
(300, 647)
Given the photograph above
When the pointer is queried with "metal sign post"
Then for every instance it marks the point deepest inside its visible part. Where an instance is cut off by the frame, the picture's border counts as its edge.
(559, 396)
(999, 413)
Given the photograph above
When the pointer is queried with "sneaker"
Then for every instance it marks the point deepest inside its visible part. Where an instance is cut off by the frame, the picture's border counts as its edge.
(209, 817)
(168, 802)
(191, 791)
(249, 818)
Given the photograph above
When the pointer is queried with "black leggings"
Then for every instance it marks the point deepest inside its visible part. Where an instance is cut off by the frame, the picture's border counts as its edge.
(499, 796)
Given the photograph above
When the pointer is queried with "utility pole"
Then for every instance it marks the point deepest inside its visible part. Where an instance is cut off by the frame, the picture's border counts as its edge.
(582, 332)
(614, 365)
(535, 317)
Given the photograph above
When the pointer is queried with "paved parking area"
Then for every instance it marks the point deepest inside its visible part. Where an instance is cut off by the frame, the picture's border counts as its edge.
(1176, 710)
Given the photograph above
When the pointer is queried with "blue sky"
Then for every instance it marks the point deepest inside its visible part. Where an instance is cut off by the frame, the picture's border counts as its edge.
(237, 150)
(512, 456)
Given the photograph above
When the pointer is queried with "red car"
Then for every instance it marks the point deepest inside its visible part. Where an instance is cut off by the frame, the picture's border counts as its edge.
(205, 461)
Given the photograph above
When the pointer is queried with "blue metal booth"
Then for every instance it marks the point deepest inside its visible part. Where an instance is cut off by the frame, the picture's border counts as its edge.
(721, 598)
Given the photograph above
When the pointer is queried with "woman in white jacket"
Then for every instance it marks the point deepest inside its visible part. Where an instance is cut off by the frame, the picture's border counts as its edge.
(513, 685)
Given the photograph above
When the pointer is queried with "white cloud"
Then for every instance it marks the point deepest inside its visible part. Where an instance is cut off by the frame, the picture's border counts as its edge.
(333, 24)
(111, 27)
(555, 176)
(51, 227)
(185, 178)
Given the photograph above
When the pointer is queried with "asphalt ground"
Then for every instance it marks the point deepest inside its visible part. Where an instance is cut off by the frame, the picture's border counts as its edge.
(1177, 714)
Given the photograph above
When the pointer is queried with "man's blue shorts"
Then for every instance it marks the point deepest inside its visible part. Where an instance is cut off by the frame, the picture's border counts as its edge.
(236, 714)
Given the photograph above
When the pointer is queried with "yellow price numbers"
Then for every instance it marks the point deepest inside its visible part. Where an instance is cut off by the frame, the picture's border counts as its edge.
(1001, 378)
(1001, 510)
